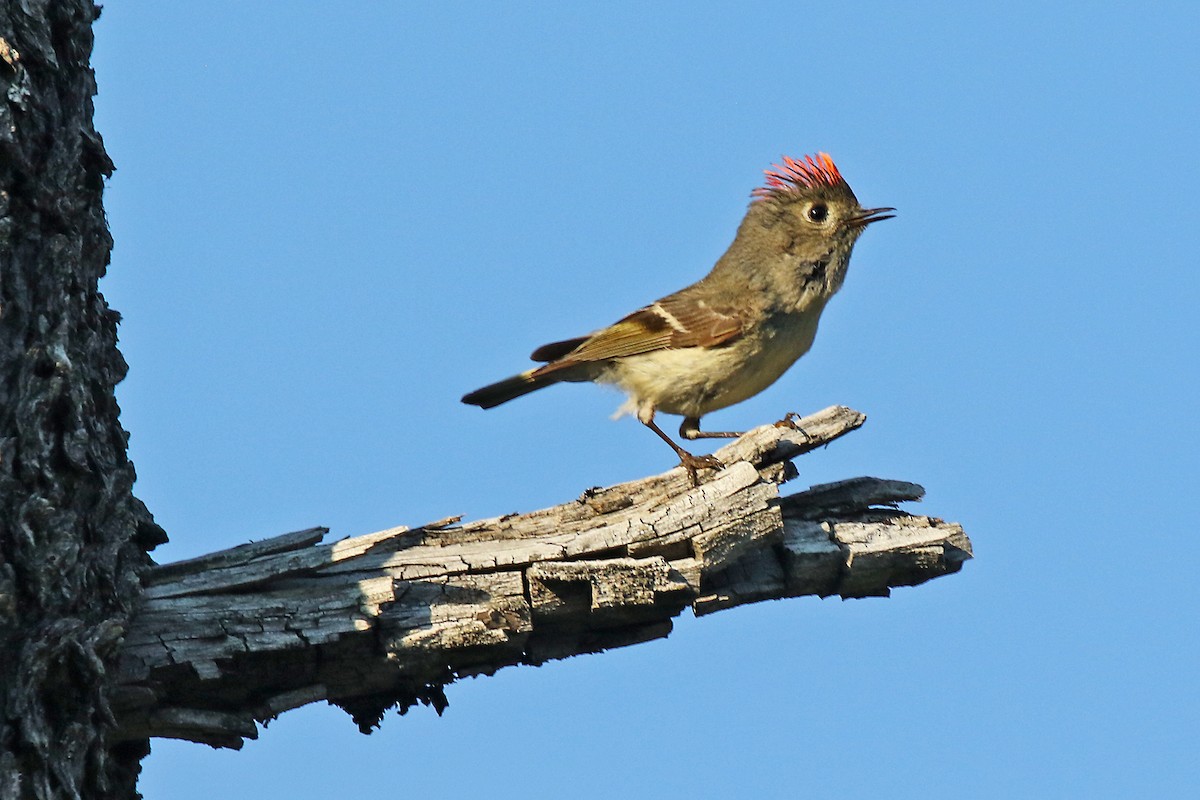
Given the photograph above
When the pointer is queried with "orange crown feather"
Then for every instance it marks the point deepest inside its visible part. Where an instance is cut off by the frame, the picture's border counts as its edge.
(807, 173)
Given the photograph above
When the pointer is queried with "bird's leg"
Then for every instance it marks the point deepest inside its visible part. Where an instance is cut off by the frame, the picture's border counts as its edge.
(688, 461)
(690, 429)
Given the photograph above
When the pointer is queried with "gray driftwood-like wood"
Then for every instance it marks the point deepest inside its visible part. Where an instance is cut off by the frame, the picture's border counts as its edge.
(388, 619)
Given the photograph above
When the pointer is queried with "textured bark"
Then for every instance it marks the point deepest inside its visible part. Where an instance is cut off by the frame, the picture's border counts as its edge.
(388, 619)
(72, 536)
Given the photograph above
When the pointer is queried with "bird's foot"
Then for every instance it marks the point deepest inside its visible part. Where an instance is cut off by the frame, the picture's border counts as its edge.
(789, 421)
(693, 464)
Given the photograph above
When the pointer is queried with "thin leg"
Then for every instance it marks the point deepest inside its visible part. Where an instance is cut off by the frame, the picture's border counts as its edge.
(690, 430)
(688, 461)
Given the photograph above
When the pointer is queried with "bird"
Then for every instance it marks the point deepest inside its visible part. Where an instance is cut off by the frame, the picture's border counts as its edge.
(734, 332)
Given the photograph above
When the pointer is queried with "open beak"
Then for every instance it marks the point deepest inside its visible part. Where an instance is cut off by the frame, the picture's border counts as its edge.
(868, 216)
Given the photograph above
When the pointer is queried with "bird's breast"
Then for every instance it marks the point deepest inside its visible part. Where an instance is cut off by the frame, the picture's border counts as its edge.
(693, 381)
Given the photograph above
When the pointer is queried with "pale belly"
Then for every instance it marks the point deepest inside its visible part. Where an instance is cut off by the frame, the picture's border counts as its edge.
(694, 381)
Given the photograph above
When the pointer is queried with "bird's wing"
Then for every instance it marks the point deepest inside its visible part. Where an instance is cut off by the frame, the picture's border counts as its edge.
(556, 350)
(676, 321)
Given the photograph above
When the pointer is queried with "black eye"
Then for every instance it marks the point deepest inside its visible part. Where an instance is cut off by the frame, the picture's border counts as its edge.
(818, 212)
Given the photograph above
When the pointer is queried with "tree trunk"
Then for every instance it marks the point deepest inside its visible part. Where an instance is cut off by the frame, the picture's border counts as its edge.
(72, 536)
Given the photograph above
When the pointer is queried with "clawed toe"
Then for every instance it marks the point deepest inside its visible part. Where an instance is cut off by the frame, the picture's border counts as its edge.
(789, 421)
(693, 464)
(708, 462)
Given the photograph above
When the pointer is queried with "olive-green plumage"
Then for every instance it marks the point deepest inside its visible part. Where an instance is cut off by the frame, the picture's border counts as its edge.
(734, 332)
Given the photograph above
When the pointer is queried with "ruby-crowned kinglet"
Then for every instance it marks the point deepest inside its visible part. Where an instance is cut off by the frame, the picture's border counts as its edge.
(733, 333)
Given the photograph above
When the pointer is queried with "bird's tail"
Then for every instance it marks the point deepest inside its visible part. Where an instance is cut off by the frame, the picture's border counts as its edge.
(502, 391)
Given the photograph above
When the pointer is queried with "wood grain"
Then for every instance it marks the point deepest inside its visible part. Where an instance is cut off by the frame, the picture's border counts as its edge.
(388, 619)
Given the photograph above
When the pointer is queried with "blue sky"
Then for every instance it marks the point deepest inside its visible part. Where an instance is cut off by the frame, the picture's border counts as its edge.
(330, 224)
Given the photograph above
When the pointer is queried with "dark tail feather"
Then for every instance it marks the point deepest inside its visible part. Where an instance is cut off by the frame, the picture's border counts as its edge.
(509, 388)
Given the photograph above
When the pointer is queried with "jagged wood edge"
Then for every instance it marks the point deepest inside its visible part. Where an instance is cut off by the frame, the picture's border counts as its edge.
(388, 619)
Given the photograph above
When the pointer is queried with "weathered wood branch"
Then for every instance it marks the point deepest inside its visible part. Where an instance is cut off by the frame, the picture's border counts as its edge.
(388, 619)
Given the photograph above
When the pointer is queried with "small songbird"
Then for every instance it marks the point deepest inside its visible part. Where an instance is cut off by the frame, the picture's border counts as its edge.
(734, 332)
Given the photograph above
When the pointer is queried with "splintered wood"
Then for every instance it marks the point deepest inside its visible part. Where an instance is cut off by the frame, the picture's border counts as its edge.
(388, 619)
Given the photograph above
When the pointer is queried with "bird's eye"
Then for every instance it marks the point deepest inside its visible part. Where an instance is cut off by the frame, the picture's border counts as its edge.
(818, 212)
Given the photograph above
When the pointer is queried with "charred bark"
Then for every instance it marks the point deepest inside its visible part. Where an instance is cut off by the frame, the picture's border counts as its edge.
(72, 536)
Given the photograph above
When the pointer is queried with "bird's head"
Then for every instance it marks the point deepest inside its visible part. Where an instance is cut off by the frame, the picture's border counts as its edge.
(810, 207)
